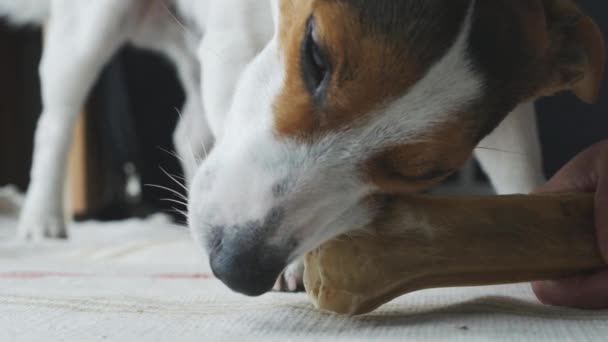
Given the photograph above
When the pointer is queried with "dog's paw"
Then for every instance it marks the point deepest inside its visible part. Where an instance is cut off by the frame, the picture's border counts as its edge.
(36, 227)
(292, 278)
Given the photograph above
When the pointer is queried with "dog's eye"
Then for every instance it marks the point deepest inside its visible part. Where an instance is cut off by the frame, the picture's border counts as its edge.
(315, 67)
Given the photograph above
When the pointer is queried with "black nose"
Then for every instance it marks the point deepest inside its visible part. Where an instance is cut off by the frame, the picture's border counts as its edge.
(247, 268)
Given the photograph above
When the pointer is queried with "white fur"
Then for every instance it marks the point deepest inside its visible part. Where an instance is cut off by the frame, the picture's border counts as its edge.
(511, 155)
(25, 11)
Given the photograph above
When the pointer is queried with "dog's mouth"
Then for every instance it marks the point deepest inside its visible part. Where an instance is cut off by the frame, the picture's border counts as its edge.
(251, 266)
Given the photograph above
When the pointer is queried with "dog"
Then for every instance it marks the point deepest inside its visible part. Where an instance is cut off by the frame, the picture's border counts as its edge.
(314, 106)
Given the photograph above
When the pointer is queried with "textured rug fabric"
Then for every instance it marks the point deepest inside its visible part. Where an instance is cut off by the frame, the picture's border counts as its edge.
(146, 281)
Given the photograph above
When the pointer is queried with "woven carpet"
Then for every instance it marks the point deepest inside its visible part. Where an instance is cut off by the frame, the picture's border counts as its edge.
(144, 280)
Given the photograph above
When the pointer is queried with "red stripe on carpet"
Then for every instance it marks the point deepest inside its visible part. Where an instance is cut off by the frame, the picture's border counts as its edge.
(41, 274)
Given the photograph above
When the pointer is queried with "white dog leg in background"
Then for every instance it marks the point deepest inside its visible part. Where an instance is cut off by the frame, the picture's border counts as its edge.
(80, 39)
(230, 43)
(162, 32)
(511, 155)
(192, 137)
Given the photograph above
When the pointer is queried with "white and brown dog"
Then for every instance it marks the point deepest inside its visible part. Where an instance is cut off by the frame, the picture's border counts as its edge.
(315, 105)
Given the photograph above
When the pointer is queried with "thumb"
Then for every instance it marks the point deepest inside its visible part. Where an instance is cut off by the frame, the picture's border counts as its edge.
(577, 175)
(601, 212)
(583, 291)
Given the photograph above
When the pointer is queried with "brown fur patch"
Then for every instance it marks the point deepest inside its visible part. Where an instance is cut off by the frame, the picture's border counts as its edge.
(370, 64)
(364, 71)
(417, 166)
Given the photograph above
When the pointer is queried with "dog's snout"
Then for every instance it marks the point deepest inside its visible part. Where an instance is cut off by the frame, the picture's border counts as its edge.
(215, 240)
(250, 255)
(245, 267)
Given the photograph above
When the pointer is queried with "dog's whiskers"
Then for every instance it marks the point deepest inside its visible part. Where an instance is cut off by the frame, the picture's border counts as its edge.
(175, 180)
(168, 189)
(174, 201)
(206, 154)
(173, 154)
(182, 26)
(179, 178)
(179, 224)
(177, 21)
(182, 226)
(502, 151)
(197, 160)
(194, 160)
(182, 212)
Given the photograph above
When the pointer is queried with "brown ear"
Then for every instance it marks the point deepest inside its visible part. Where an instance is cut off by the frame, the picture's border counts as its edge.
(578, 50)
(588, 88)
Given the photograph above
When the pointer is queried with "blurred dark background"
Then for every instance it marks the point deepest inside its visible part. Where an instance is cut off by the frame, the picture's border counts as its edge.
(131, 115)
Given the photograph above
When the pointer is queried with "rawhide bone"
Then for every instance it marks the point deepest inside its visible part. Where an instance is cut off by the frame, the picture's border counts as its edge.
(420, 242)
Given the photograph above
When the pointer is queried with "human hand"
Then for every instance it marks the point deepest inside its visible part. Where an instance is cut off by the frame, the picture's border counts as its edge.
(587, 172)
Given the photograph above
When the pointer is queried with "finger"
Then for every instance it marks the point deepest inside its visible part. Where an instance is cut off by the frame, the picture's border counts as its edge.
(584, 291)
(574, 176)
(601, 212)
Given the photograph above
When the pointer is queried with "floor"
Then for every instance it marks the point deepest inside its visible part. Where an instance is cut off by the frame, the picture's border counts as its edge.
(144, 280)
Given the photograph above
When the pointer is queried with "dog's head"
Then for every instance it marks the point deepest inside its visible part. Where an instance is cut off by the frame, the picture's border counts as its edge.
(353, 98)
